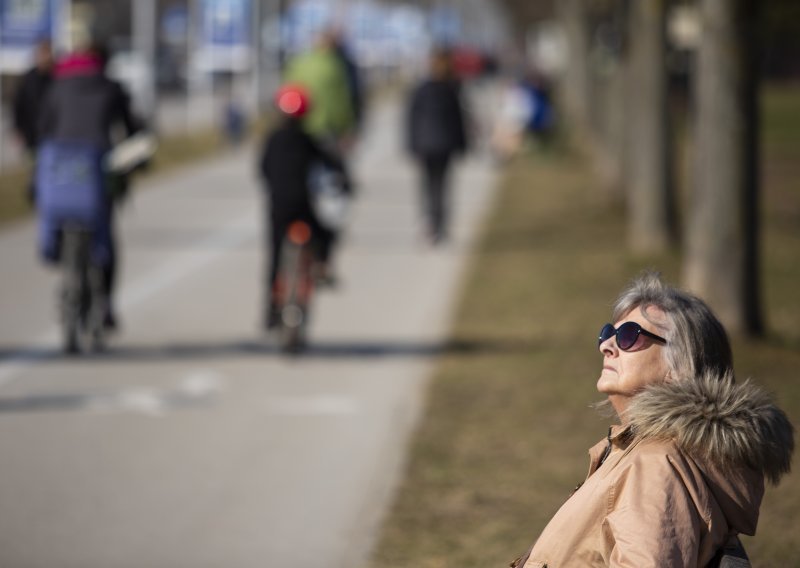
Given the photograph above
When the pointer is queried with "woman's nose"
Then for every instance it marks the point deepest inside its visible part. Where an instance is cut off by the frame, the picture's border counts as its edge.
(608, 347)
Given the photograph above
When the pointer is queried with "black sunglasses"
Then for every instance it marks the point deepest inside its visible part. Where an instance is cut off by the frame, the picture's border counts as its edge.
(627, 334)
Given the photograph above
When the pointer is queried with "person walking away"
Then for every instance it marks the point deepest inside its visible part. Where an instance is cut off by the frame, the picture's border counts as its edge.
(86, 107)
(354, 80)
(27, 103)
(233, 120)
(435, 132)
(320, 71)
(289, 153)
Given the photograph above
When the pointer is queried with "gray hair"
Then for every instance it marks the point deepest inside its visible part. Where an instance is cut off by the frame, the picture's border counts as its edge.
(697, 344)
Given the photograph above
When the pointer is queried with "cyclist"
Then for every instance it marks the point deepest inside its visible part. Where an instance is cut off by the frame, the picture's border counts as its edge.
(79, 114)
(286, 163)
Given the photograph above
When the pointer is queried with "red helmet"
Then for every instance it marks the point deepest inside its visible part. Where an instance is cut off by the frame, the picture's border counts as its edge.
(292, 100)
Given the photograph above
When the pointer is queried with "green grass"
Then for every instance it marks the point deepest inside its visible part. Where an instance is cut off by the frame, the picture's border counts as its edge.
(13, 201)
(504, 437)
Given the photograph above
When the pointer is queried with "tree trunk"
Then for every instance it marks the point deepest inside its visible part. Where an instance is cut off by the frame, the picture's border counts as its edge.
(722, 262)
(609, 98)
(651, 208)
(572, 14)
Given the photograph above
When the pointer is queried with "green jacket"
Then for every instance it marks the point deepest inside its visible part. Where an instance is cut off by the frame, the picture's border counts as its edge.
(325, 76)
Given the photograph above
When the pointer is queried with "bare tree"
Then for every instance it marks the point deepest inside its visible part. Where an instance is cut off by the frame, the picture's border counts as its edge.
(573, 16)
(607, 103)
(650, 191)
(721, 263)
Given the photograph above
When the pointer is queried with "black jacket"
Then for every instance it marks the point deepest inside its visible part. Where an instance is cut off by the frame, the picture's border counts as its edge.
(27, 104)
(435, 121)
(86, 108)
(286, 161)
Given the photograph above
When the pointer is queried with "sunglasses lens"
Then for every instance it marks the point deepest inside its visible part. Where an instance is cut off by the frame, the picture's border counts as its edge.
(607, 331)
(627, 334)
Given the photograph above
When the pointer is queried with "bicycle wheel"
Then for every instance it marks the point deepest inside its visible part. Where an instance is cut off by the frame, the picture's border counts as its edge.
(296, 283)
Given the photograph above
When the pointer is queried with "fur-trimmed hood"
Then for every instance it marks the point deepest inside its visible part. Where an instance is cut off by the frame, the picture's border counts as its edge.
(717, 421)
(733, 431)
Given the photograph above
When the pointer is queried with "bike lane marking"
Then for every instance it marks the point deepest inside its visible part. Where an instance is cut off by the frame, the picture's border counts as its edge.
(166, 274)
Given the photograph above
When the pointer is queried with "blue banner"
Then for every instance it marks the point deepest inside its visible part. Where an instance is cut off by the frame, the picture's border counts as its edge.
(23, 23)
(226, 22)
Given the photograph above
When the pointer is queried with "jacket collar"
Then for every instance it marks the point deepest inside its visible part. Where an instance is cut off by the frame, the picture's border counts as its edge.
(717, 421)
(78, 65)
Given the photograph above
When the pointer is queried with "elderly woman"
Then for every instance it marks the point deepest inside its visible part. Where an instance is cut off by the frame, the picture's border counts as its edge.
(683, 473)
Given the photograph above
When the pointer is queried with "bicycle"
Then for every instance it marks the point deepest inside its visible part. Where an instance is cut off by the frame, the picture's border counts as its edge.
(294, 287)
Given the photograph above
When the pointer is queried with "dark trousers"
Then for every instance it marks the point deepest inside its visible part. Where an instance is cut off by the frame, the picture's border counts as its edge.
(434, 193)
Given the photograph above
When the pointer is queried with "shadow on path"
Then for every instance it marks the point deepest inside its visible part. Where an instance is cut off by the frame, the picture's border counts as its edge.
(344, 350)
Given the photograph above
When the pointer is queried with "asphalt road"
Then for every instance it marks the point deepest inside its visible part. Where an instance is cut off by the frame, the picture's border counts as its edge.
(193, 442)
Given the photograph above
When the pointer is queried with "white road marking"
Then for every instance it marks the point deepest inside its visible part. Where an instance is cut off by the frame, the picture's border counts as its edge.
(202, 383)
(193, 388)
(325, 405)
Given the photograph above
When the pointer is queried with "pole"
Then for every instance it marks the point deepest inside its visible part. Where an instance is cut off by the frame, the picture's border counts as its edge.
(192, 73)
(256, 59)
(63, 35)
(2, 108)
(282, 49)
(144, 40)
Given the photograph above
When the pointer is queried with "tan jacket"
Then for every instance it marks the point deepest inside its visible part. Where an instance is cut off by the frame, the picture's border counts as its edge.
(677, 483)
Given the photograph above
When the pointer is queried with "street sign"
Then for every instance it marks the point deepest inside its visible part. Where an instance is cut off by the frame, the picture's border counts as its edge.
(24, 22)
(226, 22)
(224, 35)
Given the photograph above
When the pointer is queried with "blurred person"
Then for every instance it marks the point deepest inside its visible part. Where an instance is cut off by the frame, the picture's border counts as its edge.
(542, 118)
(84, 108)
(682, 474)
(435, 133)
(525, 114)
(321, 71)
(289, 153)
(234, 121)
(27, 102)
(513, 114)
(354, 80)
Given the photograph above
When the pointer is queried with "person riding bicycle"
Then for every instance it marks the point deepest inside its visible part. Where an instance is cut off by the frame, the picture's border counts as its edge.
(78, 122)
(289, 155)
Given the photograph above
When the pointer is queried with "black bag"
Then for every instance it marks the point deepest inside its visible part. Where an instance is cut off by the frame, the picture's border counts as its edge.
(732, 555)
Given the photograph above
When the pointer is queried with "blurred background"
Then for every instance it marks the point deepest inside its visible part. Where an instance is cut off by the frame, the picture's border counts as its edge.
(175, 57)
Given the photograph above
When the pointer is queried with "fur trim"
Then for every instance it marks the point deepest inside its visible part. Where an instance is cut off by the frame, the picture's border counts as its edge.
(716, 419)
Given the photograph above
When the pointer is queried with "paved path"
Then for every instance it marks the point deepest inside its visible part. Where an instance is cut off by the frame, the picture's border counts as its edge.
(192, 442)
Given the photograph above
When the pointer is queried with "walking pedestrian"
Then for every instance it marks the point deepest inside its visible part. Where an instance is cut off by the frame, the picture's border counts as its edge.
(321, 72)
(682, 475)
(435, 133)
(27, 103)
(355, 82)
